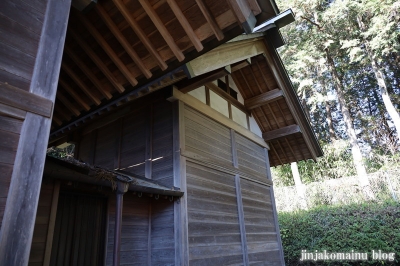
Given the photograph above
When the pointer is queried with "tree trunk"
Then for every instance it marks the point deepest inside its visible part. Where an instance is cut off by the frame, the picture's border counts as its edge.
(355, 148)
(299, 186)
(329, 120)
(380, 78)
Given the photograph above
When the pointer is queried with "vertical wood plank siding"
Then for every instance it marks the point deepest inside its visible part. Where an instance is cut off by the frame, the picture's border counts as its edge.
(128, 144)
(22, 25)
(134, 233)
(146, 140)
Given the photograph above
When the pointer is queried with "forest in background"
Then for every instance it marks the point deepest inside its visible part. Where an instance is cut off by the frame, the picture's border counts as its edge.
(343, 58)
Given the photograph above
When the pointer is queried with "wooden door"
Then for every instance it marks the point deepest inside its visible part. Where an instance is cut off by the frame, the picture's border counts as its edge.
(79, 234)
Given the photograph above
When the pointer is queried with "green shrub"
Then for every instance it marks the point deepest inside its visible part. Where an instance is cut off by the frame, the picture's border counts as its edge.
(358, 227)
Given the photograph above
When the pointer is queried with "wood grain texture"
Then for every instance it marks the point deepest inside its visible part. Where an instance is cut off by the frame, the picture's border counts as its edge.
(162, 29)
(263, 98)
(261, 234)
(26, 101)
(185, 24)
(281, 132)
(127, 46)
(139, 32)
(213, 223)
(210, 19)
(22, 201)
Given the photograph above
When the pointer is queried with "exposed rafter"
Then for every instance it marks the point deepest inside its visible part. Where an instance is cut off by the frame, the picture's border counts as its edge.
(98, 62)
(263, 98)
(109, 51)
(80, 83)
(281, 132)
(210, 19)
(68, 104)
(88, 73)
(120, 37)
(74, 95)
(162, 29)
(185, 25)
(241, 64)
(139, 32)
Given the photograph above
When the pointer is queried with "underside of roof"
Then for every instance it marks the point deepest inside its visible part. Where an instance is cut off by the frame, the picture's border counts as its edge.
(269, 95)
(130, 48)
(121, 50)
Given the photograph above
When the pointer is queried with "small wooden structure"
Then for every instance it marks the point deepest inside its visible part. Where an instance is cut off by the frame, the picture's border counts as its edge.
(176, 118)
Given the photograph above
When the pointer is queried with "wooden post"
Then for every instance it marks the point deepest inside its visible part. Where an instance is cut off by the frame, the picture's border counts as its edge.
(180, 205)
(122, 188)
(23, 196)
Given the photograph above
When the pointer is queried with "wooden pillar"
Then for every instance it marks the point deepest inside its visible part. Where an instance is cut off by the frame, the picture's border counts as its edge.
(22, 201)
(122, 188)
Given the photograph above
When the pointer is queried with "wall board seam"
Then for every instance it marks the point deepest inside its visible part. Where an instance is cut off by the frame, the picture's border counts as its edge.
(223, 169)
(241, 220)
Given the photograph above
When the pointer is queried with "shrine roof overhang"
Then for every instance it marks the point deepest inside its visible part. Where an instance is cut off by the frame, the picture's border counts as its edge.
(73, 170)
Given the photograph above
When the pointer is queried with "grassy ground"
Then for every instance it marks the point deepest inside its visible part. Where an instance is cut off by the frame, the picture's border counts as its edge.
(359, 228)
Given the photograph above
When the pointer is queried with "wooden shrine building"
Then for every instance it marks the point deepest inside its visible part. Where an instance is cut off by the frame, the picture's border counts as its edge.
(177, 109)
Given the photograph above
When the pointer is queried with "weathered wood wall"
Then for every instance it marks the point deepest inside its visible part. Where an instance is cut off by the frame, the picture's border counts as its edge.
(138, 141)
(147, 231)
(21, 22)
(231, 219)
(10, 129)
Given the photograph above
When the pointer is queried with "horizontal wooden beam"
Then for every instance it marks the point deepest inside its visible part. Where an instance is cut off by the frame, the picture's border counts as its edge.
(241, 64)
(281, 132)
(187, 85)
(227, 97)
(215, 115)
(263, 98)
(24, 100)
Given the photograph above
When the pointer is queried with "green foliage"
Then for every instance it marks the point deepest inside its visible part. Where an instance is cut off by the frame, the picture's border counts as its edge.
(66, 152)
(358, 227)
(336, 163)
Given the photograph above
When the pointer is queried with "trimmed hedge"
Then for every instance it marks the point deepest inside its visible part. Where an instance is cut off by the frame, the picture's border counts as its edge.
(358, 227)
